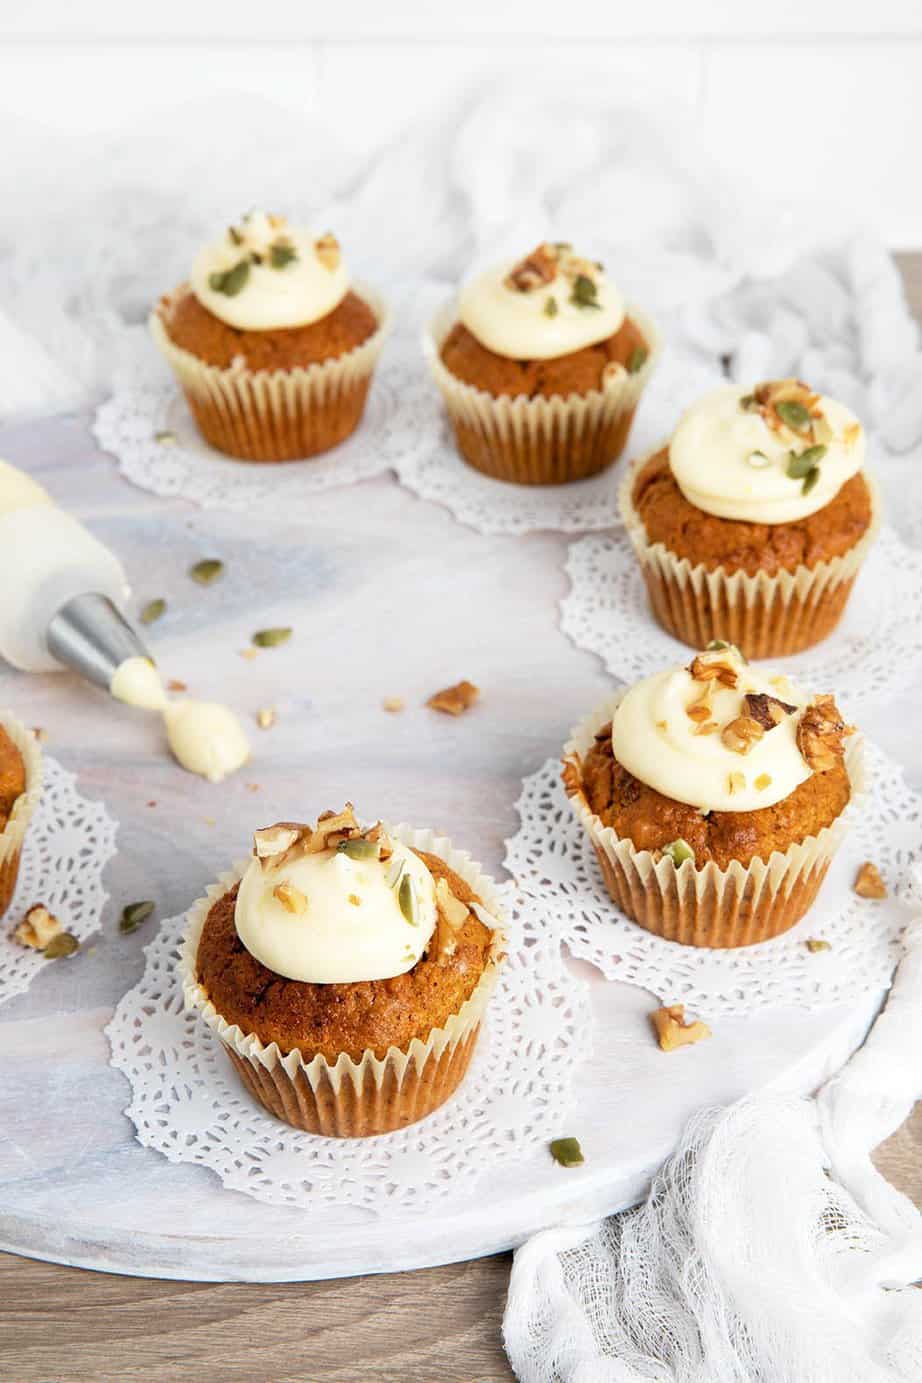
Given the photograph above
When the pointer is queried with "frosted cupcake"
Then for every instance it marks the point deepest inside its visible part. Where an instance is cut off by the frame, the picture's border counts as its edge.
(541, 365)
(346, 971)
(714, 796)
(752, 524)
(273, 348)
(20, 789)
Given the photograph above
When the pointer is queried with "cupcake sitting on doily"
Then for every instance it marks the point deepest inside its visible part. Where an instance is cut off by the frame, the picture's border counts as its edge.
(273, 349)
(752, 523)
(20, 790)
(346, 971)
(541, 367)
(715, 797)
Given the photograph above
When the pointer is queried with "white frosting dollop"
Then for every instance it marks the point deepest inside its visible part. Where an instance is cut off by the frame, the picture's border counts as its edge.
(655, 739)
(727, 460)
(206, 738)
(137, 682)
(335, 939)
(544, 322)
(290, 294)
(18, 490)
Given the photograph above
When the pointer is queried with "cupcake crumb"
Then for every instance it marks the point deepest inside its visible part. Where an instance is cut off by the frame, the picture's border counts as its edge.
(672, 1031)
(454, 701)
(393, 703)
(869, 882)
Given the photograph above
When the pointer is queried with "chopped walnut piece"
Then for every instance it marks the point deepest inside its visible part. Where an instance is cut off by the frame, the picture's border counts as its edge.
(698, 711)
(270, 843)
(331, 828)
(672, 1031)
(741, 734)
(820, 734)
(290, 897)
(176, 685)
(851, 434)
(37, 927)
(454, 700)
(713, 670)
(355, 900)
(327, 251)
(452, 909)
(534, 270)
(707, 727)
(393, 703)
(265, 717)
(767, 710)
(868, 882)
(603, 733)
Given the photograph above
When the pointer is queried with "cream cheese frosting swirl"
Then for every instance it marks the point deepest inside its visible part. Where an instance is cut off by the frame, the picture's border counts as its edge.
(695, 757)
(549, 304)
(323, 916)
(736, 454)
(263, 274)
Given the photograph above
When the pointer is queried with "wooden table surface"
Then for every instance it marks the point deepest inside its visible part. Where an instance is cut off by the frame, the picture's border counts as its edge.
(63, 1324)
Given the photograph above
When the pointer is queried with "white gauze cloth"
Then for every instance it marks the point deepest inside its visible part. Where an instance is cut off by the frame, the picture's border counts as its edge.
(769, 1249)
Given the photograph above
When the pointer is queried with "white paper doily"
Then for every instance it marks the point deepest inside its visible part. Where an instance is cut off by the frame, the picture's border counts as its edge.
(188, 1104)
(128, 423)
(875, 652)
(68, 844)
(554, 865)
(431, 467)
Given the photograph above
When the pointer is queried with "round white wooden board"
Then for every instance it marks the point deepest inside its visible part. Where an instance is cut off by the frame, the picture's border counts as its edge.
(387, 596)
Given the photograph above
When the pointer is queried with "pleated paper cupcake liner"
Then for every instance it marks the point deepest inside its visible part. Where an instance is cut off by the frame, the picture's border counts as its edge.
(539, 441)
(348, 1098)
(707, 905)
(13, 836)
(277, 415)
(766, 616)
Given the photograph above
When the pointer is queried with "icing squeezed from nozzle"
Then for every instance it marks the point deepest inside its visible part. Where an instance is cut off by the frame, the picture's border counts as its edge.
(204, 737)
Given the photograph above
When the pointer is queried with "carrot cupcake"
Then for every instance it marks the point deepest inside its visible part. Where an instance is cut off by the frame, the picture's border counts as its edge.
(752, 523)
(346, 971)
(273, 349)
(20, 789)
(714, 796)
(541, 365)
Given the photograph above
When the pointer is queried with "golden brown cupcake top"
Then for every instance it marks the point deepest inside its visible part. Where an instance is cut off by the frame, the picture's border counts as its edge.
(355, 1015)
(12, 777)
(744, 761)
(687, 531)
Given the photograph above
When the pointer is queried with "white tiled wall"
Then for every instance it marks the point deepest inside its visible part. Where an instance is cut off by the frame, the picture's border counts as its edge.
(822, 96)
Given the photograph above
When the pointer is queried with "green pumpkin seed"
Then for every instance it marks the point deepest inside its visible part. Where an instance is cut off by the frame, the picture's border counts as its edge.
(637, 359)
(232, 281)
(679, 851)
(166, 438)
(152, 611)
(360, 849)
(406, 898)
(133, 914)
(747, 401)
(799, 464)
(271, 638)
(207, 571)
(281, 253)
(567, 1152)
(550, 308)
(585, 292)
(810, 480)
(794, 414)
(814, 944)
(64, 944)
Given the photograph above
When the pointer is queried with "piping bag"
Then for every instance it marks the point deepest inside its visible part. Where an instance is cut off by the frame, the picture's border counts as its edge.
(62, 609)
